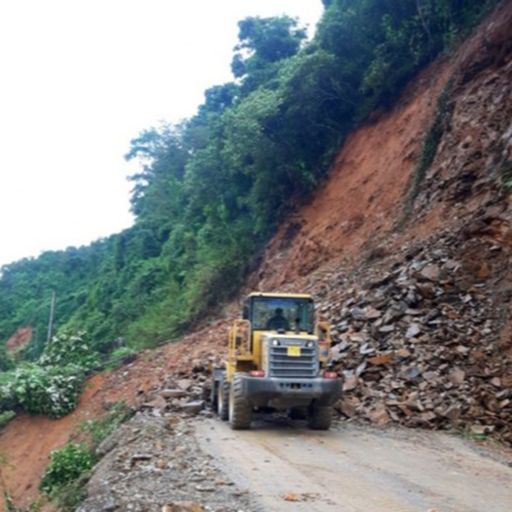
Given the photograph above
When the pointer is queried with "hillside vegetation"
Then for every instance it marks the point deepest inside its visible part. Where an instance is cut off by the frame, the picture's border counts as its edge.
(211, 190)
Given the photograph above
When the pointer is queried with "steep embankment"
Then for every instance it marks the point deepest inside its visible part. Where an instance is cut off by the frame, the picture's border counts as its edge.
(363, 197)
(27, 441)
(420, 314)
(359, 207)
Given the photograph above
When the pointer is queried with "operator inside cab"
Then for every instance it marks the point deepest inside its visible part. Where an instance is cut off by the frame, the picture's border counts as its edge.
(278, 322)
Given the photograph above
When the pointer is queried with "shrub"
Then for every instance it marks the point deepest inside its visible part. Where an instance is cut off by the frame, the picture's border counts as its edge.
(101, 428)
(429, 148)
(52, 391)
(6, 362)
(122, 355)
(66, 348)
(67, 465)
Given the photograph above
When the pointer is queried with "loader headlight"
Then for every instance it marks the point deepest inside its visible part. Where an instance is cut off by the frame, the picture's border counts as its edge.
(276, 342)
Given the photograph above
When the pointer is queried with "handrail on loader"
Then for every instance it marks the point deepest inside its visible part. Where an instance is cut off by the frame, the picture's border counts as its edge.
(239, 346)
(323, 331)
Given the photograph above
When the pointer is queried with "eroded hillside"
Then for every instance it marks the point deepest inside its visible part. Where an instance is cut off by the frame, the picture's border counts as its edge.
(408, 244)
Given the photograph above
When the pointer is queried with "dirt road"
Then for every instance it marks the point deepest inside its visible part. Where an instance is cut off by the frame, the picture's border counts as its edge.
(352, 469)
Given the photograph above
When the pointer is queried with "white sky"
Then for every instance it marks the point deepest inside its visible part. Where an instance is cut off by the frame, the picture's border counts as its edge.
(78, 80)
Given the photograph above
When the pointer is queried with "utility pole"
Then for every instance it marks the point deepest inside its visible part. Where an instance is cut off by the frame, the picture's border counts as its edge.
(50, 320)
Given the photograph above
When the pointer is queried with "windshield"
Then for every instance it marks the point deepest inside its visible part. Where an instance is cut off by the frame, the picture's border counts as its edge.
(282, 313)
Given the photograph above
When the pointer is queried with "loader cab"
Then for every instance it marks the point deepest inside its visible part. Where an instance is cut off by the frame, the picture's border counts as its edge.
(297, 312)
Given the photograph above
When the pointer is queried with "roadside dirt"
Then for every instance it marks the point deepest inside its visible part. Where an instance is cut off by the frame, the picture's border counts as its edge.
(353, 469)
(27, 441)
(154, 463)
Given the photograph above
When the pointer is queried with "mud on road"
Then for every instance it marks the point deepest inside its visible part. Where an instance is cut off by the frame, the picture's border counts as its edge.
(286, 467)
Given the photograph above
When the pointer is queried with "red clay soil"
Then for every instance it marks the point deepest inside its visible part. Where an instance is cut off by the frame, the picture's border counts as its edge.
(19, 339)
(364, 192)
(27, 441)
(362, 199)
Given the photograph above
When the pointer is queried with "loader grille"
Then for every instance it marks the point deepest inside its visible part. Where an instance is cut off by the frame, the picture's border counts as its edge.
(282, 365)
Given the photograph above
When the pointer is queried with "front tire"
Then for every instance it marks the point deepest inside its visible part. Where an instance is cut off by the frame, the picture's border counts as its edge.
(222, 400)
(320, 418)
(240, 410)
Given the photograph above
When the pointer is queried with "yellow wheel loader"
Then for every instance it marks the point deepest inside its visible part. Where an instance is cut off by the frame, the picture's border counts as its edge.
(277, 361)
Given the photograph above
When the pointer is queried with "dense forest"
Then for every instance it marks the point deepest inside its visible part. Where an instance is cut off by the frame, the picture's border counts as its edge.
(211, 190)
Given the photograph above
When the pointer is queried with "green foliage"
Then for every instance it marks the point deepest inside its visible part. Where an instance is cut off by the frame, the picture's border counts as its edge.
(211, 190)
(65, 477)
(67, 348)
(52, 385)
(101, 428)
(66, 465)
(264, 43)
(42, 390)
(120, 356)
(6, 362)
(26, 288)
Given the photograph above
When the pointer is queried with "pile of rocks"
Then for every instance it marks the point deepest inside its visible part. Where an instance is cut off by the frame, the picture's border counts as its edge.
(186, 394)
(154, 463)
(419, 336)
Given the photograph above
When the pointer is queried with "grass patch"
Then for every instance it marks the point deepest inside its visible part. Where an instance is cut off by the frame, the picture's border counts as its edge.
(101, 428)
(119, 357)
(429, 150)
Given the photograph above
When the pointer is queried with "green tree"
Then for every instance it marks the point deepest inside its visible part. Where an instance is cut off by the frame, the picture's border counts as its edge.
(264, 42)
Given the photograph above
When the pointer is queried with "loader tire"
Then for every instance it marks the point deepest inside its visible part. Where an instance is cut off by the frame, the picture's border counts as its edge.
(240, 410)
(320, 418)
(223, 400)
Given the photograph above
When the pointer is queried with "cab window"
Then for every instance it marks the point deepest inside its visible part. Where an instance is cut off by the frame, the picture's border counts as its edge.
(266, 310)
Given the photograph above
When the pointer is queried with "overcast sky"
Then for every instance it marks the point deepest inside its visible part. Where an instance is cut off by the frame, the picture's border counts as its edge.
(78, 80)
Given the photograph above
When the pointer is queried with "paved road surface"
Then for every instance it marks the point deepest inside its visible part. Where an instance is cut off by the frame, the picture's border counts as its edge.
(353, 469)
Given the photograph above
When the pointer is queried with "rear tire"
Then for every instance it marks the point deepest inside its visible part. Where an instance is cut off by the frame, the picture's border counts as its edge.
(320, 418)
(222, 400)
(240, 410)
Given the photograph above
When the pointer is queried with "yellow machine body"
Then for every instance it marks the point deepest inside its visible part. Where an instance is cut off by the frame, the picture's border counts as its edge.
(245, 344)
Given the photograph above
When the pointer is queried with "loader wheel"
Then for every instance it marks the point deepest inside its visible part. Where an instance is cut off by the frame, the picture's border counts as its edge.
(320, 418)
(240, 411)
(222, 400)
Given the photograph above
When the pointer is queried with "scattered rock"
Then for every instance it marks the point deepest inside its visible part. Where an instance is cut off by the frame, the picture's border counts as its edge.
(193, 407)
(183, 506)
(431, 272)
(172, 393)
(417, 336)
